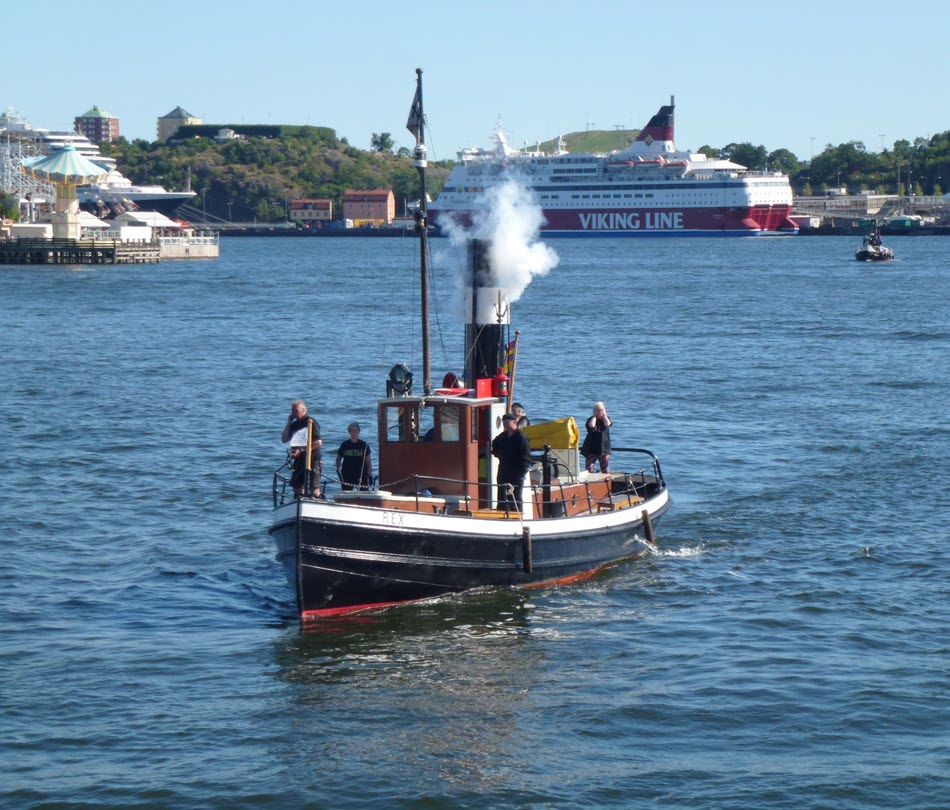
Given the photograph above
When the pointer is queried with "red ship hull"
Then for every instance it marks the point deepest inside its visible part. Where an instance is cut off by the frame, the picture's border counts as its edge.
(746, 221)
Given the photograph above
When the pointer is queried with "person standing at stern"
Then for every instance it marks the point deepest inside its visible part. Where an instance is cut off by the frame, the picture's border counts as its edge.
(597, 442)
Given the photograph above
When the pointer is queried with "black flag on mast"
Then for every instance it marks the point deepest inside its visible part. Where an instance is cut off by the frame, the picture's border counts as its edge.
(414, 124)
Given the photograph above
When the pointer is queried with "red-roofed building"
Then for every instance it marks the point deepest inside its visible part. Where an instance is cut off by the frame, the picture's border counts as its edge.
(373, 208)
(310, 213)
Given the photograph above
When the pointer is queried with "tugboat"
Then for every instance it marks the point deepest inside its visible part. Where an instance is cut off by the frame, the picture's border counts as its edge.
(872, 250)
(435, 522)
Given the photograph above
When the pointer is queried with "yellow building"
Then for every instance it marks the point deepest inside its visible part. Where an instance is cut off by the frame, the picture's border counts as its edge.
(168, 124)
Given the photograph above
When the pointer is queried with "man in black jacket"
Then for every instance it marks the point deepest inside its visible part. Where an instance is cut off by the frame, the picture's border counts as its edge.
(513, 451)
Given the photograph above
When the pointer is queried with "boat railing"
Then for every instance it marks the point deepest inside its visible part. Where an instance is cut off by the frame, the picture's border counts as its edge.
(280, 489)
(281, 483)
(550, 496)
(654, 462)
(553, 493)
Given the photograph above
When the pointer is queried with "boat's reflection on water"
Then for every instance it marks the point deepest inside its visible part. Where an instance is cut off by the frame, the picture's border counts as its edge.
(432, 691)
(491, 613)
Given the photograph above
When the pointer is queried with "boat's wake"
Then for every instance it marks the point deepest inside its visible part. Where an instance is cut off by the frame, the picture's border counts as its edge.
(685, 552)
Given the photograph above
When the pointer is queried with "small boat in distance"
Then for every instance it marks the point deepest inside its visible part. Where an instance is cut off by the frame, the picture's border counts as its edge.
(435, 521)
(872, 250)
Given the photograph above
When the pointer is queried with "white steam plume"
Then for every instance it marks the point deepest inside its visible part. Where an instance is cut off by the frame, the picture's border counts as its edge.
(510, 220)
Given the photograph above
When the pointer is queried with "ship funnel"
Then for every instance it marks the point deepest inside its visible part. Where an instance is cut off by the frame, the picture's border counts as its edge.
(489, 316)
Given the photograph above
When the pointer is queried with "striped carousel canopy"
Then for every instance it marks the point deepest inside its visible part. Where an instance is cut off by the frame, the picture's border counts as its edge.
(65, 166)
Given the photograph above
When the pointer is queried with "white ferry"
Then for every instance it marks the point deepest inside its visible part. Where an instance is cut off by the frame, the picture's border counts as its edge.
(648, 189)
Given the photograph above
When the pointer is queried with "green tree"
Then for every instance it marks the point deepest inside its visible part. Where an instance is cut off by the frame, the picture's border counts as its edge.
(752, 157)
(782, 160)
(9, 206)
(382, 142)
(844, 164)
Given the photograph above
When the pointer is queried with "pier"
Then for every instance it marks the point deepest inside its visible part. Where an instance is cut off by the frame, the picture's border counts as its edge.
(17, 250)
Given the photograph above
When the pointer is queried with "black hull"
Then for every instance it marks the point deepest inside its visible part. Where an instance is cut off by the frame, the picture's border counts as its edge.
(874, 254)
(344, 569)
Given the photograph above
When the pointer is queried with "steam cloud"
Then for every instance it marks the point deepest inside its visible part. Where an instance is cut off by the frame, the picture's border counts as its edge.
(510, 221)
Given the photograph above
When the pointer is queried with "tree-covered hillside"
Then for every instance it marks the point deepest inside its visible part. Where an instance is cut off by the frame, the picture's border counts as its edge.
(255, 178)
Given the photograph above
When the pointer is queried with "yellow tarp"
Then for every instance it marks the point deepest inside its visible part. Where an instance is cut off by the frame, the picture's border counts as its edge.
(561, 434)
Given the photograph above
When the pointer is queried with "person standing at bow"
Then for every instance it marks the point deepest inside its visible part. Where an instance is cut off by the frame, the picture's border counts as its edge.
(296, 431)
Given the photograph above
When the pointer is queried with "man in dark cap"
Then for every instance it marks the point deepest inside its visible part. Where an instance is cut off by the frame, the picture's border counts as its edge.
(513, 451)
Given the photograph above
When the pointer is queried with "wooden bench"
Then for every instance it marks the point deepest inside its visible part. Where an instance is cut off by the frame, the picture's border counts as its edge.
(495, 514)
(614, 502)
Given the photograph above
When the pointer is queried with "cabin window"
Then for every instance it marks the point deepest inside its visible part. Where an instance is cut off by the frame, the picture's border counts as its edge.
(427, 424)
(402, 423)
(449, 423)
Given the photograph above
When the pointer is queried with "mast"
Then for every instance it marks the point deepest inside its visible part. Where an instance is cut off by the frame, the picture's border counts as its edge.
(415, 125)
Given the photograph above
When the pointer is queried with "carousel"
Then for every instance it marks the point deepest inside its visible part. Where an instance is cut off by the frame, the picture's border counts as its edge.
(65, 169)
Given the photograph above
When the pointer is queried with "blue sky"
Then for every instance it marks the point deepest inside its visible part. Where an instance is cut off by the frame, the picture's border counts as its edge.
(796, 75)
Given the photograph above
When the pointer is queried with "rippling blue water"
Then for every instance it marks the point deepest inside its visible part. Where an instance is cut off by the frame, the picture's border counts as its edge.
(786, 647)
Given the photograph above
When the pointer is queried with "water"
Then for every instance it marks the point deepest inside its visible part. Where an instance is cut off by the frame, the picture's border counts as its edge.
(787, 646)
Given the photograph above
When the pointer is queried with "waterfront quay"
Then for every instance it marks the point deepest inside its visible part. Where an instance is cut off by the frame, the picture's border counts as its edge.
(36, 250)
(18, 250)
